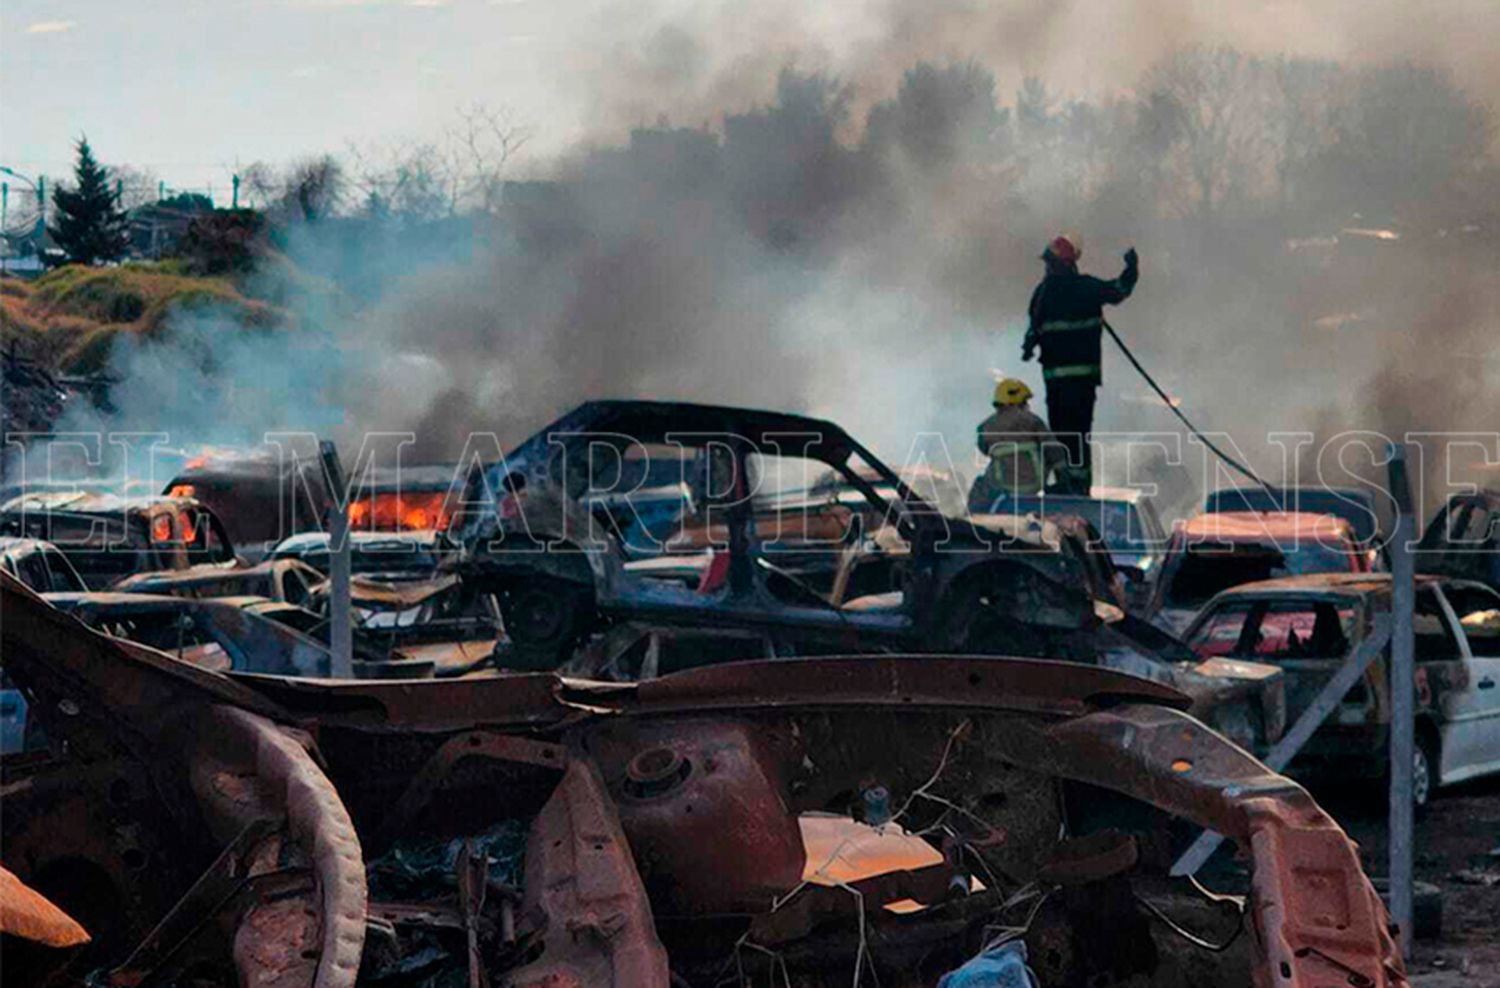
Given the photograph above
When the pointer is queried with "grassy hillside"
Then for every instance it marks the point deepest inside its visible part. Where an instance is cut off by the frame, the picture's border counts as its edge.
(71, 317)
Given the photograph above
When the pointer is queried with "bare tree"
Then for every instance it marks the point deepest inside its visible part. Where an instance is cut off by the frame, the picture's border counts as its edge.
(462, 170)
(486, 138)
(313, 189)
(1306, 95)
(1216, 98)
(138, 186)
(260, 185)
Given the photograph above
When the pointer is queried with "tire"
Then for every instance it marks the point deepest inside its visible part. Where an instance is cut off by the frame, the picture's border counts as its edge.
(1424, 773)
(545, 617)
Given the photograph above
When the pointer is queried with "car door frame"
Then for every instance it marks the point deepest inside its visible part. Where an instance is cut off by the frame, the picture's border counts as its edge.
(1475, 726)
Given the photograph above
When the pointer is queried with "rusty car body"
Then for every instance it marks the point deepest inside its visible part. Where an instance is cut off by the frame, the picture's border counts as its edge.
(223, 830)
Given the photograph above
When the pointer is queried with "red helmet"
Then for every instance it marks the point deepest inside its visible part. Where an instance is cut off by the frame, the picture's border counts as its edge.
(1064, 248)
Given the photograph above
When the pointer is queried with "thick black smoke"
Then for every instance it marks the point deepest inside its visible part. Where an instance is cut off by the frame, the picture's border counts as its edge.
(1318, 244)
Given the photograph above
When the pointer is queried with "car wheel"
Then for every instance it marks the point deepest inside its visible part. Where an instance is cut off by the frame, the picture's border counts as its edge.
(1424, 765)
(543, 615)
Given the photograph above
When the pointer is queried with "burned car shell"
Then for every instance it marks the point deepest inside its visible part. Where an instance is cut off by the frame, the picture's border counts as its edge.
(109, 538)
(1204, 550)
(38, 564)
(1463, 539)
(556, 566)
(288, 580)
(251, 811)
(219, 633)
(1457, 715)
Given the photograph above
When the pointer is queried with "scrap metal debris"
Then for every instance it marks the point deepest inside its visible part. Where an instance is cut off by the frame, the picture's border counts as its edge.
(276, 831)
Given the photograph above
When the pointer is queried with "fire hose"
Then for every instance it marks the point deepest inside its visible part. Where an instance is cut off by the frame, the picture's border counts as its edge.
(1173, 407)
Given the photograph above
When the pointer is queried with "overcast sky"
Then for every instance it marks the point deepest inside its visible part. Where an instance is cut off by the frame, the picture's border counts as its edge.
(187, 88)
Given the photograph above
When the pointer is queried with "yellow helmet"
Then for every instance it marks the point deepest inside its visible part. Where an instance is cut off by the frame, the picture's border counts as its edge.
(1012, 391)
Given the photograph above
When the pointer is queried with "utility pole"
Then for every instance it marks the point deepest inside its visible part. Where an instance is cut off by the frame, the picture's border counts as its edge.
(4, 230)
(1403, 700)
(234, 202)
(340, 629)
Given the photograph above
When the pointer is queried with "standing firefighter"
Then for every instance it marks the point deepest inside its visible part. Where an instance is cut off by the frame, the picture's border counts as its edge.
(1020, 449)
(1067, 322)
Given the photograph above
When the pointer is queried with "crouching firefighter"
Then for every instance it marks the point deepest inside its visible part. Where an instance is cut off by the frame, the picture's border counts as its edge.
(1067, 322)
(1020, 448)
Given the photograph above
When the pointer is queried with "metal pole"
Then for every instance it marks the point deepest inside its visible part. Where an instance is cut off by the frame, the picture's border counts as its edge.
(340, 616)
(1353, 669)
(1403, 700)
(4, 230)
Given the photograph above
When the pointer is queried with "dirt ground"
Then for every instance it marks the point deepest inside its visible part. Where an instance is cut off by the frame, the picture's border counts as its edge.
(1458, 850)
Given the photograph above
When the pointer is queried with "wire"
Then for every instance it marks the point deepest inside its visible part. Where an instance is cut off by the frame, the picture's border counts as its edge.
(1188, 935)
(1167, 400)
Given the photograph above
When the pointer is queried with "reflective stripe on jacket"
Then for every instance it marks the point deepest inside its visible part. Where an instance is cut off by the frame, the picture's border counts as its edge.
(1021, 450)
(1067, 319)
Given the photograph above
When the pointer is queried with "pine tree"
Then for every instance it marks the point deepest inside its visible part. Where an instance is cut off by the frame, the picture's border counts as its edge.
(91, 227)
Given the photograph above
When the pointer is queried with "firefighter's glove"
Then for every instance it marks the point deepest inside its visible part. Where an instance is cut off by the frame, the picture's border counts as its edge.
(1028, 351)
(1131, 257)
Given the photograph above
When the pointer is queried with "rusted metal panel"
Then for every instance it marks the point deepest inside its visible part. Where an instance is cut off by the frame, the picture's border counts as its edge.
(428, 705)
(954, 681)
(584, 896)
(691, 790)
(1319, 920)
(976, 753)
(26, 913)
(317, 821)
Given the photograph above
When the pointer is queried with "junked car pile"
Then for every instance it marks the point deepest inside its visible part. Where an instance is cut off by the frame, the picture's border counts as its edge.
(532, 830)
(677, 694)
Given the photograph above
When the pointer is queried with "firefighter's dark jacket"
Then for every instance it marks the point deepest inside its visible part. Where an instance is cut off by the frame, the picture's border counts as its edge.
(1067, 319)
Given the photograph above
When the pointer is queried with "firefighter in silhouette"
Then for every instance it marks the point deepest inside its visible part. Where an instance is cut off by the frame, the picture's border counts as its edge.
(1021, 450)
(1067, 322)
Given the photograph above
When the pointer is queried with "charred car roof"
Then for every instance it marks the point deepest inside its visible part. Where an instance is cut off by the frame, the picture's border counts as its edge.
(654, 421)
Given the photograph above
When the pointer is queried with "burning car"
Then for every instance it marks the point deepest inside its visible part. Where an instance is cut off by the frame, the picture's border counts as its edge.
(530, 830)
(261, 497)
(109, 538)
